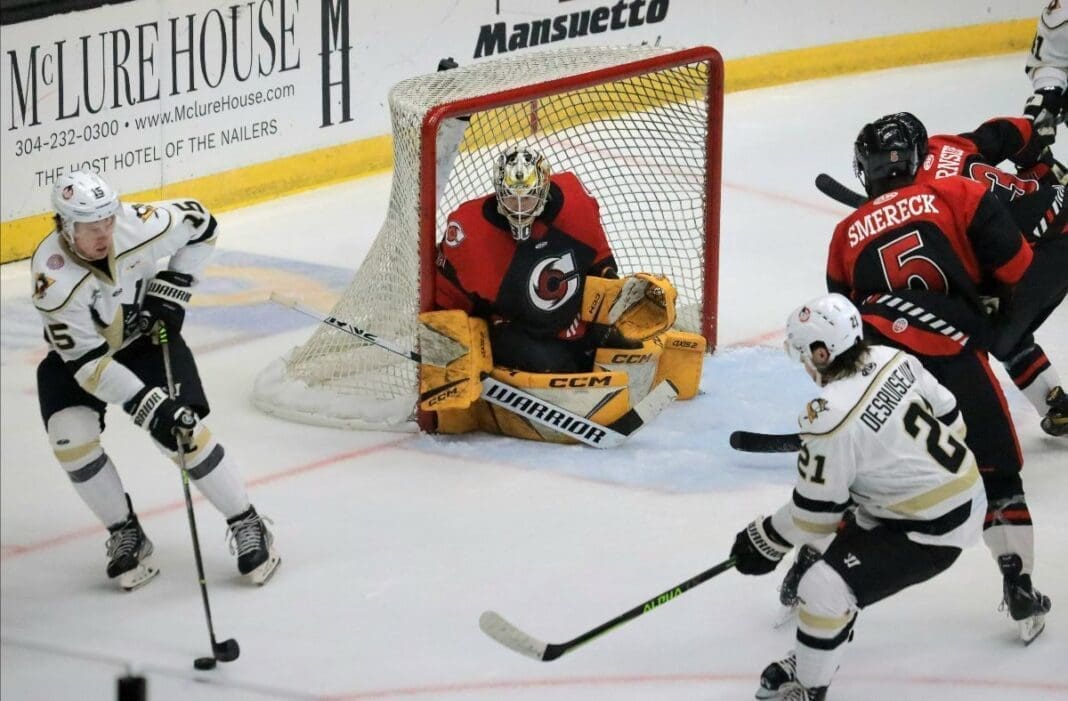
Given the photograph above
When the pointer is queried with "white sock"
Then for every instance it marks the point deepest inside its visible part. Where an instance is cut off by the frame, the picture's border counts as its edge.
(103, 493)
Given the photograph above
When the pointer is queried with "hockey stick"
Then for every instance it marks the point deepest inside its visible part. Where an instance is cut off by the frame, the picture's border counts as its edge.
(227, 650)
(839, 192)
(525, 404)
(496, 627)
(750, 442)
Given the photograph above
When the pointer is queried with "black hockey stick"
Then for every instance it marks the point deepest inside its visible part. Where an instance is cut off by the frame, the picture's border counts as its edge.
(227, 650)
(750, 442)
(839, 192)
(530, 406)
(496, 627)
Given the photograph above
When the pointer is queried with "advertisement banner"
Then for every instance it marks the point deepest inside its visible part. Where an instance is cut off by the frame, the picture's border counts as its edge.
(156, 92)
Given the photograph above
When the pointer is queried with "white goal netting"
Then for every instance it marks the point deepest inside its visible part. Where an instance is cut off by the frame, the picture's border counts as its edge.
(638, 125)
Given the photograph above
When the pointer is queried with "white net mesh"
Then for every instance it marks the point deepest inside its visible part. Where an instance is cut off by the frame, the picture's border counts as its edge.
(636, 134)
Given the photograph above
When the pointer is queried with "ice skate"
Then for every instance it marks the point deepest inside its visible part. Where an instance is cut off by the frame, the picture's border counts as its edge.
(776, 676)
(1025, 604)
(253, 544)
(127, 549)
(1055, 422)
(795, 692)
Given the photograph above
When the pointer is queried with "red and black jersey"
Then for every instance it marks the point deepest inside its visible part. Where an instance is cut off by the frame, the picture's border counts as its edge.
(537, 283)
(1035, 207)
(945, 236)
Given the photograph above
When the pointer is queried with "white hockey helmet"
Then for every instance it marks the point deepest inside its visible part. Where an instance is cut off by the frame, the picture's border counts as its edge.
(830, 320)
(521, 181)
(82, 197)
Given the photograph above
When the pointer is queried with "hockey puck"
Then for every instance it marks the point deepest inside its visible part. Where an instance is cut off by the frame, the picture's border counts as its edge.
(204, 663)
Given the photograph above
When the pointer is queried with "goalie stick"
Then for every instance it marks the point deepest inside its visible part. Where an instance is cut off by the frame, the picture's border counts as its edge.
(523, 403)
(496, 627)
(750, 442)
(839, 192)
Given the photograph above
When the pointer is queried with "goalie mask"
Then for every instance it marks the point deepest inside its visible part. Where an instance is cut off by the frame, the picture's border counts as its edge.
(521, 182)
(886, 149)
(830, 321)
(82, 197)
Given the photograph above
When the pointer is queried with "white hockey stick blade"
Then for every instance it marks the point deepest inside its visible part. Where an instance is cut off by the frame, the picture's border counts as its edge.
(542, 412)
(494, 625)
(655, 402)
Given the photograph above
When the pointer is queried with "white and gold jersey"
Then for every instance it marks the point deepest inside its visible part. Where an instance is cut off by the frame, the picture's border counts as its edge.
(90, 309)
(1047, 64)
(890, 440)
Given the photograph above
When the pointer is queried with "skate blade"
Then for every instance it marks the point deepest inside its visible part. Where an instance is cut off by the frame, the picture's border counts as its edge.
(137, 577)
(787, 615)
(1031, 628)
(763, 694)
(261, 574)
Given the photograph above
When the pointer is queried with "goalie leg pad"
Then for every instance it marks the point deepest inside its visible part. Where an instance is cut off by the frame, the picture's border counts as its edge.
(682, 361)
(456, 351)
(638, 306)
(640, 365)
(600, 396)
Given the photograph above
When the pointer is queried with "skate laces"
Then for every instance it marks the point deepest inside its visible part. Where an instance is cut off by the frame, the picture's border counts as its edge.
(789, 664)
(248, 535)
(124, 541)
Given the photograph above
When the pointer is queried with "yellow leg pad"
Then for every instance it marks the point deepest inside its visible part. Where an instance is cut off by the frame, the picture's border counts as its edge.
(681, 362)
(456, 351)
(640, 365)
(459, 420)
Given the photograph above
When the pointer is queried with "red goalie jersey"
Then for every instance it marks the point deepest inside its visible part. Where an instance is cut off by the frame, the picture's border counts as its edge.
(537, 283)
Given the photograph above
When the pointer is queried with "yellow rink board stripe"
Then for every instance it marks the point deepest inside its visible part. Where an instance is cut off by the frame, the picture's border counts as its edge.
(241, 187)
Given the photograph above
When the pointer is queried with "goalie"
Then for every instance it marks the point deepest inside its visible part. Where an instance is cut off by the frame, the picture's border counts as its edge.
(528, 272)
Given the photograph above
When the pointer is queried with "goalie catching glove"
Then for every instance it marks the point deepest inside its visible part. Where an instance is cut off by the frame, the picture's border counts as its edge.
(638, 306)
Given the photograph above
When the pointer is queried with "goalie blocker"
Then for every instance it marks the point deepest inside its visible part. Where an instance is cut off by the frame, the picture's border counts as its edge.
(456, 355)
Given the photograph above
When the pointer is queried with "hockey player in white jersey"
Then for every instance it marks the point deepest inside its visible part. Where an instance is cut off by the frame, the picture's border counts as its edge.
(99, 289)
(886, 438)
(1047, 66)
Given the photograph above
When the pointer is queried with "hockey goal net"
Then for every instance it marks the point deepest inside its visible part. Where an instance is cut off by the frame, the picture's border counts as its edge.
(641, 128)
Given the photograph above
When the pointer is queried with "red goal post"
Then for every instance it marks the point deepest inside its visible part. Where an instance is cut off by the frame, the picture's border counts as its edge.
(640, 126)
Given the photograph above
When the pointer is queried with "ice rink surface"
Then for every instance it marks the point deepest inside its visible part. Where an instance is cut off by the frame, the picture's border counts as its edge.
(393, 544)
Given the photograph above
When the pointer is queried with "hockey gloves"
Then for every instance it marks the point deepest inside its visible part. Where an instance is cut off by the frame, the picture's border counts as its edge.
(166, 298)
(759, 548)
(1046, 107)
(161, 416)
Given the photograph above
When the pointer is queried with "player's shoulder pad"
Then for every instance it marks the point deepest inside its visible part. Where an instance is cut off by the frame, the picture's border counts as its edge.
(821, 415)
(56, 275)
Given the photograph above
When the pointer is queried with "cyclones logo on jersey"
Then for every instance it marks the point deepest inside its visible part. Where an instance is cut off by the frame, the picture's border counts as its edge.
(553, 281)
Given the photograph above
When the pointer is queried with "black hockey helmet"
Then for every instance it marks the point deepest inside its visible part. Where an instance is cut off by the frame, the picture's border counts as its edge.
(886, 149)
(919, 131)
